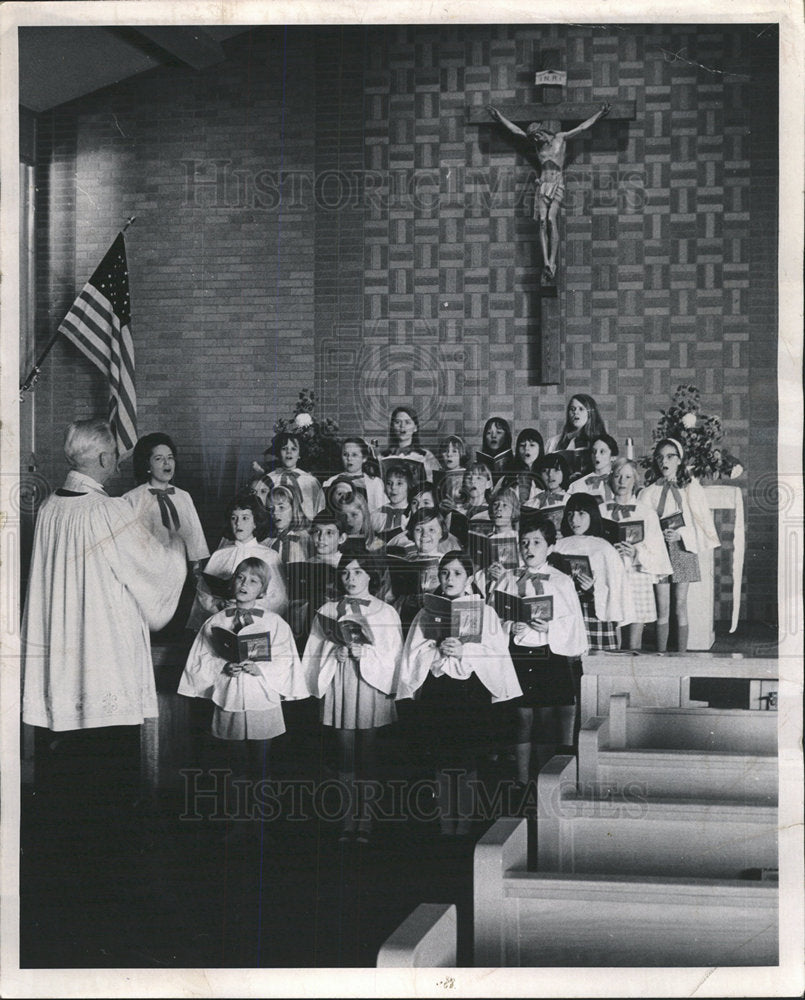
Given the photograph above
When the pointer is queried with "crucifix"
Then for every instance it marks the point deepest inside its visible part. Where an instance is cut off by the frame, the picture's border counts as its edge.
(543, 130)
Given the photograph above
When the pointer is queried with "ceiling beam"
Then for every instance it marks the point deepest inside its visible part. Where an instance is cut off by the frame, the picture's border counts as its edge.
(191, 46)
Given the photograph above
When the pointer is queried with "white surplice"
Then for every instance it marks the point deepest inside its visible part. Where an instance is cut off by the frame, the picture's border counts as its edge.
(99, 580)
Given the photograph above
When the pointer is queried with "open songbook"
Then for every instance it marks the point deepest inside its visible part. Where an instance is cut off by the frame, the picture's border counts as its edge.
(485, 549)
(673, 521)
(572, 564)
(345, 631)
(236, 647)
(462, 618)
(512, 608)
(623, 531)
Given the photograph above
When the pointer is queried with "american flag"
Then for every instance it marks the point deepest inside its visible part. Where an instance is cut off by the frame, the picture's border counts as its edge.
(98, 324)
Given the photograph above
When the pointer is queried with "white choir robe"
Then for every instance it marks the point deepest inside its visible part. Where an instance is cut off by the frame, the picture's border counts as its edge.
(280, 677)
(379, 663)
(312, 494)
(651, 555)
(612, 592)
(566, 635)
(99, 580)
(147, 507)
(373, 485)
(222, 563)
(699, 531)
(489, 659)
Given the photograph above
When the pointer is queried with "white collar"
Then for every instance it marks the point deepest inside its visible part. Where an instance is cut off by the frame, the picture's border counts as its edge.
(76, 479)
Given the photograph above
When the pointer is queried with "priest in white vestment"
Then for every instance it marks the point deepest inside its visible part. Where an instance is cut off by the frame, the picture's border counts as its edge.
(99, 580)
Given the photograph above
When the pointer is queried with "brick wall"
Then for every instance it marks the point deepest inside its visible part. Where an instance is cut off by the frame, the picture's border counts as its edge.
(400, 265)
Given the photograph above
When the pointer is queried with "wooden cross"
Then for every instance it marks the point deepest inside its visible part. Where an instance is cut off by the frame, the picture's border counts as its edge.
(545, 348)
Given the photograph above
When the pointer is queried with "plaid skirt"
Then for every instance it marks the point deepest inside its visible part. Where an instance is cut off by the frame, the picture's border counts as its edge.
(600, 635)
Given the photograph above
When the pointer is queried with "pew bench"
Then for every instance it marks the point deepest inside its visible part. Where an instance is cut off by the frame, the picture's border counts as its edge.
(719, 754)
(549, 918)
(632, 833)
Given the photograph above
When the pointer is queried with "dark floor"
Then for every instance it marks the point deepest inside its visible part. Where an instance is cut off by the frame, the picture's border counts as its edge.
(112, 880)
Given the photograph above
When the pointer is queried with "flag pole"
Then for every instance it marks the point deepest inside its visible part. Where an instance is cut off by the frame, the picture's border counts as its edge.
(36, 371)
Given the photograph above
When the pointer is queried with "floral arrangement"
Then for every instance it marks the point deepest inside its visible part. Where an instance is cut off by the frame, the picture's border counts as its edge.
(699, 434)
(320, 451)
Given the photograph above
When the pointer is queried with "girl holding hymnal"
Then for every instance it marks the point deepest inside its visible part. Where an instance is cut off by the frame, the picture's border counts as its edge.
(162, 505)
(496, 447)
(494, 551)
(360, 469)
(688, 529)
(597, 571)
(554, 472)
(413, 572)
(455, 679)
(448, 481)
(542, 617)
(602, 450)
(634, 529)
(528, 451)
(244, 660)
(404, 443)
(245, 525)
(351, 663)
(287, 449)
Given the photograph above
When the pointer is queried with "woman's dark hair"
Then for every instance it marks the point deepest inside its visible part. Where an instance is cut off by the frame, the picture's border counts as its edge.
(683, 476)
(587, 503)
(529, 434)
(536, 522)
(542, 465)
(609, 441)
(394, 441)
(142, 454)
(592, 429)
(353, 550)
(247, 501)
(507, 433)
(422, 516)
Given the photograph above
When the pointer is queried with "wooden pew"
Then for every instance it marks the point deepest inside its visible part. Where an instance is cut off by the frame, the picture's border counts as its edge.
(524, 918)
(633, 834)
(427, 938)
(662, 681)
(719, 754)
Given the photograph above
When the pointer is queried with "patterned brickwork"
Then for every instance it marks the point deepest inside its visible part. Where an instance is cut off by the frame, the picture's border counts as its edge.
(399, 265)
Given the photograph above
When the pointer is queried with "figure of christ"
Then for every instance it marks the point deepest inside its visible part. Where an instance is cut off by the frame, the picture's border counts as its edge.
(551, 149)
